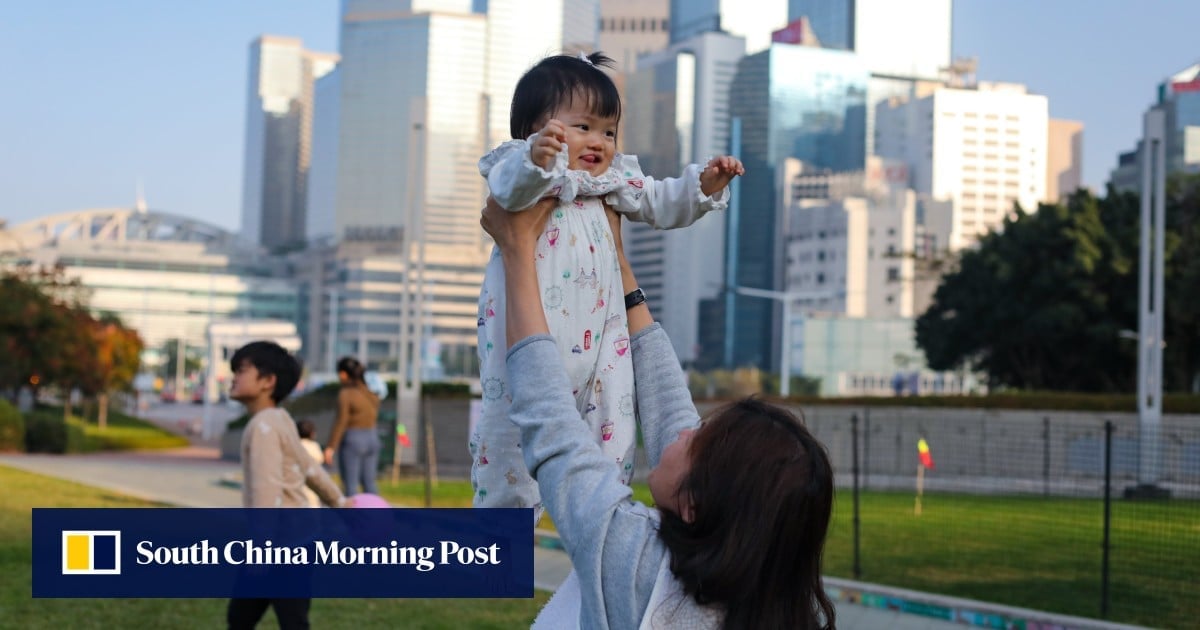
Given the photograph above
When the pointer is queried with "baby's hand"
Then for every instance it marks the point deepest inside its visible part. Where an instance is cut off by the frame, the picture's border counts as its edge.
(718, 173)
(548, 144)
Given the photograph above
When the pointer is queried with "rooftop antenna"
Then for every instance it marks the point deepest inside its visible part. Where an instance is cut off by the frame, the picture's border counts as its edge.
(140, 204)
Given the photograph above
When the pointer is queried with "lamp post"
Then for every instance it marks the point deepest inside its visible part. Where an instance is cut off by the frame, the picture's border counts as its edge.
(412, 297)
(1150, 306)
(786, 297)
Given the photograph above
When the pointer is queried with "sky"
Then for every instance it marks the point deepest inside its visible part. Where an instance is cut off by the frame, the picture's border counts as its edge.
(99, 96)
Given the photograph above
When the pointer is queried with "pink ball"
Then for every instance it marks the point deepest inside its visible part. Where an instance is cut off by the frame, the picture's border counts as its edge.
(366, 500)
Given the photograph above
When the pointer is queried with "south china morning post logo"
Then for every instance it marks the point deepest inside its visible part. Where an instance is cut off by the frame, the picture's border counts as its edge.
(90, 552)
(229, 552)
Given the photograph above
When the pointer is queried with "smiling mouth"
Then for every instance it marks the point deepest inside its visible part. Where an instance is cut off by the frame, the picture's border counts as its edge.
(590, 159)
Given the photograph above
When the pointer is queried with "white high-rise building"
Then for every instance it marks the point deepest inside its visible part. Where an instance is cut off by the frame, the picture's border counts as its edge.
(580, 25)
(677, 113)
(518, 36)
(279, 111)
(983, 149)
(850, 238)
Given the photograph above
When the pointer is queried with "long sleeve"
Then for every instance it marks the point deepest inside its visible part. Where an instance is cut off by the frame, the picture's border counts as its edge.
(342, 420)
(666, 204)
(613, 542)
(262, 472)
(514, 181)
(664, 403)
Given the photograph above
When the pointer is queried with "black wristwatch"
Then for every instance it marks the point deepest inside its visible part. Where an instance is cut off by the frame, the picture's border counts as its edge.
(634, 297)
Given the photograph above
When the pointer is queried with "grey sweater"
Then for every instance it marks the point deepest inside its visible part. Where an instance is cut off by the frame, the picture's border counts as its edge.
(613, 541)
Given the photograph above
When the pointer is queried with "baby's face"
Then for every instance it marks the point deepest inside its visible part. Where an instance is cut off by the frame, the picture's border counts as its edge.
(591, 139)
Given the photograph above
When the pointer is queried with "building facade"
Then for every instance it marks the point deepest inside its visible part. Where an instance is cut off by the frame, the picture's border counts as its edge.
(631, 28)
(166, 276)
(677, 113)
(984, 149)
(278, 143)
(793, 102)
(693, 17)
(1064, 159)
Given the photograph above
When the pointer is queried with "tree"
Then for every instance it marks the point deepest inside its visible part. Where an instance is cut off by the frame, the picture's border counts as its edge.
(41, 338)
(1040, 304)
(118, 357)
(1044, 303)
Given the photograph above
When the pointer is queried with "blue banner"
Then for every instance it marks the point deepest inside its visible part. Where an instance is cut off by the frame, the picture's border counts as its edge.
(177, 552)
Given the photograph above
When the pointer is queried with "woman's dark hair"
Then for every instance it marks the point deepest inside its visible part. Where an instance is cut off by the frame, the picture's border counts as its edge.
(555, 82)
(353, 368)
(761, 491)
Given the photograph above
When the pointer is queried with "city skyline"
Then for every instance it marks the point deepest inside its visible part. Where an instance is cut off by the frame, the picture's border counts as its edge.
(143, 94)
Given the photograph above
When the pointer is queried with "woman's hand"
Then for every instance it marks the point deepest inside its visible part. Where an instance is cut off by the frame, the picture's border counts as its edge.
(328, 456)
(516, 233)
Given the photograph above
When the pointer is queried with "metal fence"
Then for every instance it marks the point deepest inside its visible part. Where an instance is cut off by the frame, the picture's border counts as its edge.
(1037, 510)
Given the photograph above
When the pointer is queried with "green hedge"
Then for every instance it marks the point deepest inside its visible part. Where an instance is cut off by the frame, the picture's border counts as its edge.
(47, 432)
(12, 428)
(1060, 401)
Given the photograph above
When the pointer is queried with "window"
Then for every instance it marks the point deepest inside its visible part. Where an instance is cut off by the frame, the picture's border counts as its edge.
(820, 278)
(893, 274)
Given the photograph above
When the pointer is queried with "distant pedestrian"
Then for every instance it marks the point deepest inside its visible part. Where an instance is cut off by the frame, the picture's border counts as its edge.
(276, 468)
(354, 438)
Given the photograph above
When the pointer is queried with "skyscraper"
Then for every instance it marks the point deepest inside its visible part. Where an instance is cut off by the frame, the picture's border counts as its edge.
(898, 39)
(900, 43)
(794, 102)
(983, 148)
(516, 39)
(677, 112)
(408, 191)
(629, 28)
(755, 24)
(278, 139)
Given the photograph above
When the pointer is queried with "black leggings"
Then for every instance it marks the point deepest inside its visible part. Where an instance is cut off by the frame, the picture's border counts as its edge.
(244, 614)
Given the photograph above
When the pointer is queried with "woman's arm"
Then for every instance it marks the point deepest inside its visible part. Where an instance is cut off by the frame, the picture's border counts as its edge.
(610, 539)
(339, 424)
(664, 402)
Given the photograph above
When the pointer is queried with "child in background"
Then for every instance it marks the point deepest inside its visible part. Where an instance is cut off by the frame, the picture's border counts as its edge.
(275, 465)
(564, 120)
(307, 430)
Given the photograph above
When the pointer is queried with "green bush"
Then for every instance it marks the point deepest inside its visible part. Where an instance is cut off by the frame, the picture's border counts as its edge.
(47, 432)
(12, 428)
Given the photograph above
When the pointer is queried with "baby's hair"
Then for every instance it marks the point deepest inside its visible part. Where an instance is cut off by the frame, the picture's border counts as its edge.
(306, 429)
(554, 82)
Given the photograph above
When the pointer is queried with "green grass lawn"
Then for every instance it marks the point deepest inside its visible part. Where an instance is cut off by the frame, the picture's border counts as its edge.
(123, 433)
(1022, 551)
(1041, 553)
(22, 491)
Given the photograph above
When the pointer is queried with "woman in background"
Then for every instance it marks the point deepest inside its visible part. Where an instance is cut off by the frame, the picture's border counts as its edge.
(354, 436)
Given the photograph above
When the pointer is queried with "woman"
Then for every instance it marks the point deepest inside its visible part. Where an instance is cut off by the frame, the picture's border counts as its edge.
(743, 499)
(354, 429)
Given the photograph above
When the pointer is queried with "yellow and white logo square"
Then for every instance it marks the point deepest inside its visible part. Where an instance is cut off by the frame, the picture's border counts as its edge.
(91, 552)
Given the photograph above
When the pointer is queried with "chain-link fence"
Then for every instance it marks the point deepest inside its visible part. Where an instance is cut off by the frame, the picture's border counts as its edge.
(1047, 511)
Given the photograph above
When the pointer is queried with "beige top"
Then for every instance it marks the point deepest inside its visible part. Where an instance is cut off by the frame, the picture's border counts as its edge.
(358, 408)
(276, 467)
(314, 451)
